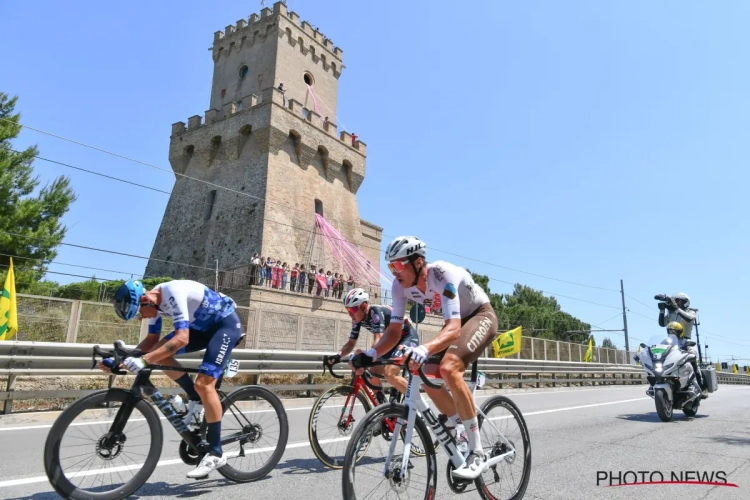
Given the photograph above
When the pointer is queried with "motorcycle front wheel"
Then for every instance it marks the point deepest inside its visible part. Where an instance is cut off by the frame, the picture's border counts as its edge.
(663, 405)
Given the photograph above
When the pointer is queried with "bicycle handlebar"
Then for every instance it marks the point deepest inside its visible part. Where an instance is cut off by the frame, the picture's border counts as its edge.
(330, 366)
(119, 353)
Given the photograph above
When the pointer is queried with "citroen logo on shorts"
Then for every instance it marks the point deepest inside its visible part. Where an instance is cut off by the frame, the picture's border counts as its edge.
(476, 340)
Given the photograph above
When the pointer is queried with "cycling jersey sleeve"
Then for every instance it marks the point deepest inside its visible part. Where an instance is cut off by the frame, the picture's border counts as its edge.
(377, 320)
(154, 325)
(399, 303)
(356, 327)
(447, 283)
(177, 300)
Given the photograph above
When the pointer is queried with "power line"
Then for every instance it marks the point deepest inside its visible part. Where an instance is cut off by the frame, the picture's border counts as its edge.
(284, 206)
(648, 306)
(556, 294)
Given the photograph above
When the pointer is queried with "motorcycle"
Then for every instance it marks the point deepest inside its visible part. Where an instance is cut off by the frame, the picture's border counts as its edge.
(672, 378)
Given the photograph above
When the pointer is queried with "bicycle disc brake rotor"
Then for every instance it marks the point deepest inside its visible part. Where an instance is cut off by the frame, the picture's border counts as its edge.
(109, 447)
(251, 433)
(398, 483)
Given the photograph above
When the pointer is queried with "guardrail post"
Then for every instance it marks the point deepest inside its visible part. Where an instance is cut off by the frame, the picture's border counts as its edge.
(8, 406)
(75, 316)
(520, 380)
(567, 376)
(309, 382)
(554, 375)
(538, 381)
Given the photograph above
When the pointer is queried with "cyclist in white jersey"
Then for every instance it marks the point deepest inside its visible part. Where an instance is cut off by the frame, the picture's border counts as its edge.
(470, 327)
(203, 319)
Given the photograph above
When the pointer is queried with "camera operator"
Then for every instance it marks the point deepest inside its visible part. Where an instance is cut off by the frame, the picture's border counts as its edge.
(677, 308)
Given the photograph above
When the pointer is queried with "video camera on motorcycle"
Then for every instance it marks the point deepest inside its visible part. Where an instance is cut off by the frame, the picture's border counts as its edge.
(666, 300)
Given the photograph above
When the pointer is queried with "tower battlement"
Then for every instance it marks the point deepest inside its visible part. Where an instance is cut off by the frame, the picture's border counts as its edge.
(315, 44)
(229, 129)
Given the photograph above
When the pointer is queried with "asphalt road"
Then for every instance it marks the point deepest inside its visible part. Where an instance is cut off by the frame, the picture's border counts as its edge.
(575, 434)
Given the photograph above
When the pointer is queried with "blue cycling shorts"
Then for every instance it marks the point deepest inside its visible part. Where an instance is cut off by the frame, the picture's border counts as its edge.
(409, 338)
(218, 341)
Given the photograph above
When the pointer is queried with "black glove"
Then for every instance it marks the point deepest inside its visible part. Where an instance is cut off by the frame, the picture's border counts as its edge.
(332, 360)
(361, 360)
(662, 306)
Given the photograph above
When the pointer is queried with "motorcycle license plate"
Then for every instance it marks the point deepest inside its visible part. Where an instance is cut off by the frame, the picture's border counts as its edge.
(232, 368)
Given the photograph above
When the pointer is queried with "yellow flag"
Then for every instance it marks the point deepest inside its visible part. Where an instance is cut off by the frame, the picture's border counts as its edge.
(8, 315)
(507, 343)
(589, 357)
(639, 351)
(718, 366)
(734, 368)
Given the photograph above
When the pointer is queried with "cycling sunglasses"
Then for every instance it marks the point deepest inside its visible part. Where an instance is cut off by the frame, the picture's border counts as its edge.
(397, 266)
(352, 310)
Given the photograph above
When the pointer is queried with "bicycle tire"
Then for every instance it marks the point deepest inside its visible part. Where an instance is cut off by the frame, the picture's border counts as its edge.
(343, 390)
(493, 402)
(52, 468)
(377, 414)
(237, 476)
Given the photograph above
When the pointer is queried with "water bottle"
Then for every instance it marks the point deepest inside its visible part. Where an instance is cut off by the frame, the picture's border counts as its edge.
(176, 401)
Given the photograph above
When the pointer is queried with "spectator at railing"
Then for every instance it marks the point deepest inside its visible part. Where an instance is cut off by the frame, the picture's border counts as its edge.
(302, 277)
(322, 282)
(254, 267)
(261, 271)
(278, 272)
(329, 282)
(284, 275)
(350, 284)
(293, 275)
(311, 278)
(269, 272)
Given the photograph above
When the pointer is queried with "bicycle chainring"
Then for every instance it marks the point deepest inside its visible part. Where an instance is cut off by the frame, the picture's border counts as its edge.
(188, 455)
(456, 485)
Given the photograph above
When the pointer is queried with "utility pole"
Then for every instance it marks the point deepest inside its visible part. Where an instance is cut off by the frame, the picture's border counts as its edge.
(624, 317)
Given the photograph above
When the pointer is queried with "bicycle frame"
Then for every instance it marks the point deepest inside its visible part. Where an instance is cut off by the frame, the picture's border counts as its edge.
(416, 403)
(359, 383)
(142, 385)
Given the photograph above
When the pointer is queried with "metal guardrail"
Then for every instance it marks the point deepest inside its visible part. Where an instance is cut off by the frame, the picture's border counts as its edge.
(19, 359)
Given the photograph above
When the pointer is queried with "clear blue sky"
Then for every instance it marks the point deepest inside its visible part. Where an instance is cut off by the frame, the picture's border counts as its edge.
(583, 140)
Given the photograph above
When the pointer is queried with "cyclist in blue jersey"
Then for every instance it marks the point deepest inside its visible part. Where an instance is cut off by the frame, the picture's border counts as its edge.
(376, 319)
(203, 319)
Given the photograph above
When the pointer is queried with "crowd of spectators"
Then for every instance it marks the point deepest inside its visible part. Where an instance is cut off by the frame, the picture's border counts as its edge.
(273, 273)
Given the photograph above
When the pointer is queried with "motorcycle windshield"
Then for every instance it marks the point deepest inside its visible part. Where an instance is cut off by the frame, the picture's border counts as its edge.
(662, 340)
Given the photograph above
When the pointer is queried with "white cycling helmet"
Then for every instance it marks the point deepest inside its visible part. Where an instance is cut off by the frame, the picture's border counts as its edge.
(683, 297)
(404, 247)
(356, 297)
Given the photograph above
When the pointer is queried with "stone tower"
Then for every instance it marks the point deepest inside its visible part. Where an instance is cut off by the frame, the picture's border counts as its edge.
(262, 162)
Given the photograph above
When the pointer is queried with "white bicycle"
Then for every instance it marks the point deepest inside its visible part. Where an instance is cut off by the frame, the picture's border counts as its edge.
(395, 472)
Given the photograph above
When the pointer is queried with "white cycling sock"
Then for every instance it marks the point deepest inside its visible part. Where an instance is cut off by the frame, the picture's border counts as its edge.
(472, 429)
(454, 420)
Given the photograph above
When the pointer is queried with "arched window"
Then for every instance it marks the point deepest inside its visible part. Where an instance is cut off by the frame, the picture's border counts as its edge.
(319, 207)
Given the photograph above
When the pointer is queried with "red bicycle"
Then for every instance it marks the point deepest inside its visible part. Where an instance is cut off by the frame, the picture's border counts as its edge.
(331, 426)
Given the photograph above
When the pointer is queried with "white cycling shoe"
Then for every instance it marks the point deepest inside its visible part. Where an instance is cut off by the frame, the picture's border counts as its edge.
(472, 468)
(209, 464)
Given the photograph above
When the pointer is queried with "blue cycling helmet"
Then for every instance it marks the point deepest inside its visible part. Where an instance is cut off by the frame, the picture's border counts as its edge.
(128, 299)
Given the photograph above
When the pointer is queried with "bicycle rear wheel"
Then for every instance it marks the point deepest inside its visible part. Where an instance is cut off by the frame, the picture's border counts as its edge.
(371, 469)
(96, 455)
(253, 418)
(503, 425)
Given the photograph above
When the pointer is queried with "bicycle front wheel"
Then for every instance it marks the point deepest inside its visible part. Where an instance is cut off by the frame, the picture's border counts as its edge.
(254, 433)
(332, 420)
(376, 472)
(503, 429)
(86, 460)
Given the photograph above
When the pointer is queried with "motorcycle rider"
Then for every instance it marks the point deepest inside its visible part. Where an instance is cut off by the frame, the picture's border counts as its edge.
(677, 309)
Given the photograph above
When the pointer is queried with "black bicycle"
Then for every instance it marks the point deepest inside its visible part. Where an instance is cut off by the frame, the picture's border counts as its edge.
(112, 454)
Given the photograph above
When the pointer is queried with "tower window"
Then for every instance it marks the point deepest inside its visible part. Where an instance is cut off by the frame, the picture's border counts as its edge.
(319, 207)
(243, 71)
(223, 93)
(239, 105)
(309, 80)
(210, 204)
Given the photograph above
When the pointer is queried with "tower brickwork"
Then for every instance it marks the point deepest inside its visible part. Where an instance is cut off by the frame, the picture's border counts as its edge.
(253, 170)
